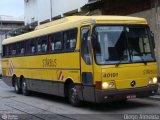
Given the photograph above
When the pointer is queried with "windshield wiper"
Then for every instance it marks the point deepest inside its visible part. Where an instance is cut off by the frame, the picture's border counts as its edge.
(141, 57)
(119, 62)
(145, 62)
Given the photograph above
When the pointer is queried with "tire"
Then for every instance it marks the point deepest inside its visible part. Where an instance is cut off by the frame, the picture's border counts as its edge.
(25, 91)
(122, 101)
(73, 95)
(17, 86)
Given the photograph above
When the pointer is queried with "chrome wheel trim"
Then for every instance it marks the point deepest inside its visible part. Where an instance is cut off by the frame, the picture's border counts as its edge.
(74, 95)
(24, 86)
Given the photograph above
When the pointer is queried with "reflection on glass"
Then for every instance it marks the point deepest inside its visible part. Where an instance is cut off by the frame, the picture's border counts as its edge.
(120, 44)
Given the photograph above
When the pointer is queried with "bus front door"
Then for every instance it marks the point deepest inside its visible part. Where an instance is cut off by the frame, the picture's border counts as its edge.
(86, 65)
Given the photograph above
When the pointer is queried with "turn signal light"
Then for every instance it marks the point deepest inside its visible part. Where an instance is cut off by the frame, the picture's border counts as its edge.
(99, 85)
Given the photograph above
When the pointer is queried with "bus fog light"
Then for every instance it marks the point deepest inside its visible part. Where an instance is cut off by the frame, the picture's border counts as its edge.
(111, 84)
(105, 85)
(155, 80)
(150, 81)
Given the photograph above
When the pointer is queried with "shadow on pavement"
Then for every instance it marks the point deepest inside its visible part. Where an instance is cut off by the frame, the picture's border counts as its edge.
(111, 106)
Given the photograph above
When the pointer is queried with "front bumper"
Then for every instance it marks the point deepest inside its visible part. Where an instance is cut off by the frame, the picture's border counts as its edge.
(115, 95)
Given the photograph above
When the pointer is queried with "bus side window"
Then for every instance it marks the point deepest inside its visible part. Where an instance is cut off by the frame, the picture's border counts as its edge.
(27, 47)
(73, 38)
(33, 46)
(39, 44)
(5, 50)
(20, 48)
(69, 39)
(52, 46)
(66, 40)
(10, 50)
(57, 41)
(14, 50)
(44, 43)
(50, 43)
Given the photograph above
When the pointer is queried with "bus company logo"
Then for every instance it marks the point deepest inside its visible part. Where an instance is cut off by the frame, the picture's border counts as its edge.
(60, 77)
(11, 68)
(133, 83)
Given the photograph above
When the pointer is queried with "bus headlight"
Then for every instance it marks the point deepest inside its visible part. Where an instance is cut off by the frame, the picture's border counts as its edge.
(105, 85)
(108, 85)
(153, 80)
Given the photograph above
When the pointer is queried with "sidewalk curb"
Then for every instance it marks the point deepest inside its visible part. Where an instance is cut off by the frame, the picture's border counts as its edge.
(156, 97)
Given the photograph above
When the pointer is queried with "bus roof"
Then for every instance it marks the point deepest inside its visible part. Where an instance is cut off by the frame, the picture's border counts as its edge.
(72, 22)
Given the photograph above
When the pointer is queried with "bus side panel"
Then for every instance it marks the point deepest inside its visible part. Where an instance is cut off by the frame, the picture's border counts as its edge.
(42, 86)
(45, 73)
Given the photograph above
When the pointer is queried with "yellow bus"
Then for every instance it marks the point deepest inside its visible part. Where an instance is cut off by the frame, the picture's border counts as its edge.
(84, 58)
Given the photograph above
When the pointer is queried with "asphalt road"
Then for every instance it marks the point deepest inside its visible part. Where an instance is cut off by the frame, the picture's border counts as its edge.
(46, 107)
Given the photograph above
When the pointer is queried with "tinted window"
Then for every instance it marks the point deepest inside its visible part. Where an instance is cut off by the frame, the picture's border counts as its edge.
(14, 49)
(20, 48)
(56, 41)
(42, 44)
(32, 46)
(5, 50)
(85, 45)
(69, 39)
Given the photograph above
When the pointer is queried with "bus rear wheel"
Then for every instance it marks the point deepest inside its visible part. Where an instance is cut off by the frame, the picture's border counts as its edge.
(24, 87)
(17, 86)
(73, 95)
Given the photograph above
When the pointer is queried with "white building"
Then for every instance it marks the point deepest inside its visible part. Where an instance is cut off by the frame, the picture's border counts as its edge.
(9, 23)
(46, 10)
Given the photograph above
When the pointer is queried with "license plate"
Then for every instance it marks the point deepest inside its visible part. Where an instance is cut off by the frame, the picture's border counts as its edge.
(131, 96)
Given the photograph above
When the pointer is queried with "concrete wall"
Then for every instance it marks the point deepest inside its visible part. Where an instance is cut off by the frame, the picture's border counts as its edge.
(41, 10)
(153, 19)
(31, 11)
(44, 10)
(63, 6)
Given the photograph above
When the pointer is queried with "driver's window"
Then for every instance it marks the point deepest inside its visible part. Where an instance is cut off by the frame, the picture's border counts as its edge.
(86, 46)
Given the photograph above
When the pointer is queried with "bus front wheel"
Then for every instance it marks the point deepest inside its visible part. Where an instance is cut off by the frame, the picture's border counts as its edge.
(24, 87)
(73, 95)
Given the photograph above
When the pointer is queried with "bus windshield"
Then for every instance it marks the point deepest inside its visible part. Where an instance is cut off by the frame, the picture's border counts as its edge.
(124, 44)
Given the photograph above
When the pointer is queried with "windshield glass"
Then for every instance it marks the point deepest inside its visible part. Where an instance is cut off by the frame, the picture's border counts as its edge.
(121, 44)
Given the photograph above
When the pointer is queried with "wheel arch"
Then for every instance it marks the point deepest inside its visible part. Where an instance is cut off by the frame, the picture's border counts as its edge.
(67, 83)
(13, 79)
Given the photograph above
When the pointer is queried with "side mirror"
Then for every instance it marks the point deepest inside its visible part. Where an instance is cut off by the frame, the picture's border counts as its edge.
(152, 39)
